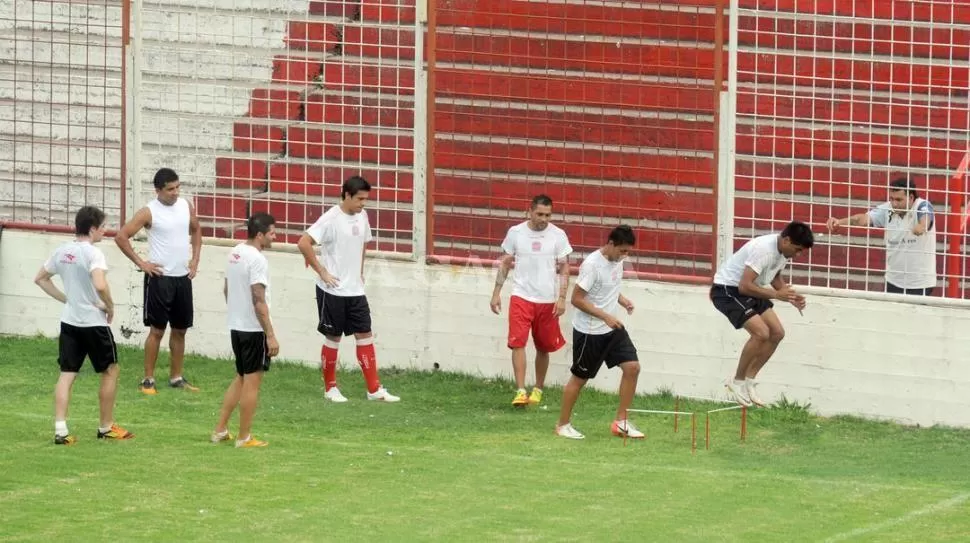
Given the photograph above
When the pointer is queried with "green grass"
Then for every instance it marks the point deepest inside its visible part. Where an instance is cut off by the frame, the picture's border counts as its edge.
(465, 466)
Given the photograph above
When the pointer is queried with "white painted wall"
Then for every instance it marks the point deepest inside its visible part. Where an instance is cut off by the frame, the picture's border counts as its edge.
(875, 359)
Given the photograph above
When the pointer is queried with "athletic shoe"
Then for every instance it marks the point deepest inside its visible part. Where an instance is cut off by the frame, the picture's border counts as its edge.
(335, 396)
(737, 392)
(521, 399)
(250, 442)
(116, 432)
(567, 431)
(65, 440)
(536, 397)
(382, 395)
(625, 428)
(749, 386)
(148, 387)
(182, 383)
(219, 438)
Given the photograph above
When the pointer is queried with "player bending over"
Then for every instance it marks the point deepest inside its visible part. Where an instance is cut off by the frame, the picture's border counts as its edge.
(85, 320)
(254, 343)
(743, 288)
(598, 336)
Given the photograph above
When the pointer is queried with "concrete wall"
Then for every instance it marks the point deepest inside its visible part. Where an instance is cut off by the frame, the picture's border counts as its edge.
(845, 356)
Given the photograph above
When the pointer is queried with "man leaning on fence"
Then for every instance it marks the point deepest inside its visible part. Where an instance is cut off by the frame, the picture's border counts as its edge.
(909, 227)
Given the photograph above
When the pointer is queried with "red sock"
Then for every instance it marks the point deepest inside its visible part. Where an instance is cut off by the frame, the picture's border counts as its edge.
(328, 361)
(368, 363)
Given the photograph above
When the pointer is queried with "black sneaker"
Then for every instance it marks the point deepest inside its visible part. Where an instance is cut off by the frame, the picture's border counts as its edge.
(148, 387)
(182, 383)
(65, 440)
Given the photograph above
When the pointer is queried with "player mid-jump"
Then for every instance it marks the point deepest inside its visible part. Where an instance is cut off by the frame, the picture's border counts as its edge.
(744, 286)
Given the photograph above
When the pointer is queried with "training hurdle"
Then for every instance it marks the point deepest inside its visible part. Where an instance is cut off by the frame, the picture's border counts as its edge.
(677, 412)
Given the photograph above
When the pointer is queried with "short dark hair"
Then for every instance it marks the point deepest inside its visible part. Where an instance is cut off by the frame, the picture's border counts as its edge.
(163, 177)
(904, 183)
(87, 217)
(259, 223)
(353, 185)
(622, 235)
(799, 233)
(540, 200)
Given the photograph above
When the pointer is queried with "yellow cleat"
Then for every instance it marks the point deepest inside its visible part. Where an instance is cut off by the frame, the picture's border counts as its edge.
(249, 443)
(520, 400)
(536, 397)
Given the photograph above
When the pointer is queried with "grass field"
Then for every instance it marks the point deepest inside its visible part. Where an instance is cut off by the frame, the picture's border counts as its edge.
(452, 461)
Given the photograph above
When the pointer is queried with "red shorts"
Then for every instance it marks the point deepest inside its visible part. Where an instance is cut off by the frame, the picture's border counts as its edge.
(540, 319)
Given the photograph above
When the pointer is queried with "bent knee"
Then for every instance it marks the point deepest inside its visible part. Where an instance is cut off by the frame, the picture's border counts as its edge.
(775, 336)
(631, 369)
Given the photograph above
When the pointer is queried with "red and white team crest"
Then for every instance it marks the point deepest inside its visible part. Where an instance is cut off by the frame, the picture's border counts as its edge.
(536, 246)
(235, 256)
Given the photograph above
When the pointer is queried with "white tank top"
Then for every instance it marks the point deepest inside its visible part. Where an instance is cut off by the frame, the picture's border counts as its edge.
(168, 237)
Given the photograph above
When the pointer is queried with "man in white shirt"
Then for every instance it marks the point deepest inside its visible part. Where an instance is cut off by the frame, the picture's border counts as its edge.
(600, 337)
(170, 221)
(85, 319)
(254, 343)
(342, 234)
(909, 227)
(538, 249)
(743, 288)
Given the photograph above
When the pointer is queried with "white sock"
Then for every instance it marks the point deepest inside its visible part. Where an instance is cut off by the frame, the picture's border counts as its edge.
(222, 433)
(738, 382)
(105, 429)
(243, 440)
(522, 390)
(174, 379)
(60, 428)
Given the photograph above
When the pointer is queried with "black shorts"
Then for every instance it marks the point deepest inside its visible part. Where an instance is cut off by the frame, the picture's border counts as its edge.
(250, 350)
(94, 342)
(168, 301)
(591, 350)
(737, 307)
(893, 289)
(342, 315)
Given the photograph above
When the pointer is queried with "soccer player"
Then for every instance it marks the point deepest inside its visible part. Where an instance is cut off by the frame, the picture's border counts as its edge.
(342, 234)
(538, 249)
(600, 337)
(909, 229)
(743, 288)
(254, 343)
(85, 319)
(169, 270)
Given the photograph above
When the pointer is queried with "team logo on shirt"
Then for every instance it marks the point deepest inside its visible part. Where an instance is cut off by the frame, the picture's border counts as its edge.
(68, 258)
(536, 246)
(235, 256)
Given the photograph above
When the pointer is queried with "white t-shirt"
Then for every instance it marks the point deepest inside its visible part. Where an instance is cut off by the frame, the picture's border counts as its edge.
(761, 254)
(601, 279)
(536, 255)
(74, 261)
(247, 266)
(910, 259)
(342, 239)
